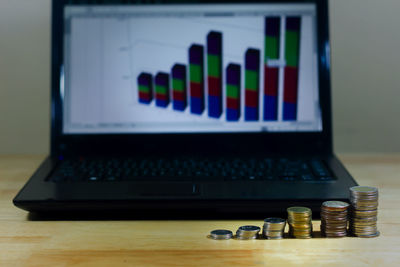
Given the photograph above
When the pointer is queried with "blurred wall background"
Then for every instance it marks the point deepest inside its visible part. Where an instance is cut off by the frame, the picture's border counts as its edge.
(365, 39)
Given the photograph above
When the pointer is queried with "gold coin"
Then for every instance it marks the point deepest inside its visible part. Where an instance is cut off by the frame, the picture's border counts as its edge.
(299, 210)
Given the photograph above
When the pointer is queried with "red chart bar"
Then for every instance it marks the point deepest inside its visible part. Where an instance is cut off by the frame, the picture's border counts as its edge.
(290, 88)
(145, 87)
(214, 73)
(251, 83)
(178, 73)
(196, 78)
(233, 82)
(271, 73)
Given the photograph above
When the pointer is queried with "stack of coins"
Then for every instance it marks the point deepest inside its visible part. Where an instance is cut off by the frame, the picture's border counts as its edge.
(364, 214)
(300, 222)
(273, 228)
(247, 232)
(221, 234)
(334, 218)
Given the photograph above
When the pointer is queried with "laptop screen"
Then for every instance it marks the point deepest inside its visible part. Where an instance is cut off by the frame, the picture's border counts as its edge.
(190, 69)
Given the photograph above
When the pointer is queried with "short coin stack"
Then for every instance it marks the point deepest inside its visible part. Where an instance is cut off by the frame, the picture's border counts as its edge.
(364, 214)
(273, 228)
(221, 234)
(300, 222)
(334, 218)
(247, 232)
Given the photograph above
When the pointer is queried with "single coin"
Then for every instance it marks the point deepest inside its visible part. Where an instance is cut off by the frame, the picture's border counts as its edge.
(249, 228)
(298, 210)
(275, 220)
(221, 234)
(335, 204)
(371, 235)
(274, 227)
(365, 213)
(238, 237)
(364, 189)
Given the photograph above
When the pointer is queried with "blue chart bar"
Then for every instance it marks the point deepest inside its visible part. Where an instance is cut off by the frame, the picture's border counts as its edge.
(196, 78)
(162, 89)
(290, 87)
(179, 87)
(145, 88)
(252, 76)
(271, 73)
(233, 92)
(214, 68)
(289, 111)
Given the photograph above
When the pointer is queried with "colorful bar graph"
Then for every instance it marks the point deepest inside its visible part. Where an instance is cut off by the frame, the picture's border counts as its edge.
(162, 89)
(145, 88)
(290, 88)
(251, 84)
(179, 87)
(214, 73)
(271, 73)
(196, 78)
(188, 82)
(233, 92)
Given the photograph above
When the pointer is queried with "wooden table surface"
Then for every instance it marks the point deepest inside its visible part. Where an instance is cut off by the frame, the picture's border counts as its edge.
(184, 243)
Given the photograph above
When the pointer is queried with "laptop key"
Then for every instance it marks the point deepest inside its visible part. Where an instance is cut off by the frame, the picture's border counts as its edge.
(307, 177)
(110, 178)
(289, 178)
(326, 178)
(319, 169)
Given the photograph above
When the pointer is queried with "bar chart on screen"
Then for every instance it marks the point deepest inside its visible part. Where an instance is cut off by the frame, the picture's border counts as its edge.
(186, 71)
(212, 86)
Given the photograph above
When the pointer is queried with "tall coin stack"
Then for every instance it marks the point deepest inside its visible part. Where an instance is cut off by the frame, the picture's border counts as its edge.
(334, 218)
(300, 222)
(273, 228)
(364, 214)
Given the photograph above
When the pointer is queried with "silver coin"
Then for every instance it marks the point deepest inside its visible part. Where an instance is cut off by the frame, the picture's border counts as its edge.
(364, 190)
(376, 234)
(221, 234)
(245, 238)
(275, 220)
(249, 228)
(247, 232)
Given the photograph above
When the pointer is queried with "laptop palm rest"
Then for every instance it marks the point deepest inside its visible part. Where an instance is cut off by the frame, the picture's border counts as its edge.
(166, 189)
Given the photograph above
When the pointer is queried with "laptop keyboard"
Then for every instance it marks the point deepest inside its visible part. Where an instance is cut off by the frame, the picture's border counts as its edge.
(190, 169)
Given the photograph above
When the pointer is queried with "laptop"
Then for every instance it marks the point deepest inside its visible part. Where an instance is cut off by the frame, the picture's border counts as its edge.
(188, 108)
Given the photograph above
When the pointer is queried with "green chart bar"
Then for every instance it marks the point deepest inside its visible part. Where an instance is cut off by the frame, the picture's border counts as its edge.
(271, 73)
(290, 88)
(214, 74)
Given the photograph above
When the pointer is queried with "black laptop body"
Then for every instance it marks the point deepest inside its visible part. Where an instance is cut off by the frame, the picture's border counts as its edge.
(173, 109)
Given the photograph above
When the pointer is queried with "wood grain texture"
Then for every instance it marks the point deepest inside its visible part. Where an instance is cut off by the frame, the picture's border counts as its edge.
(184, 243)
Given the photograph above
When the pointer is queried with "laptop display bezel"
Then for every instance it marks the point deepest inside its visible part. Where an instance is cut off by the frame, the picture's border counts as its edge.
(212, 143)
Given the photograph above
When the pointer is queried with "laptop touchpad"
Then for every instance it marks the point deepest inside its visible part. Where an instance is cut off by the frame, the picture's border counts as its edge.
(167, 189)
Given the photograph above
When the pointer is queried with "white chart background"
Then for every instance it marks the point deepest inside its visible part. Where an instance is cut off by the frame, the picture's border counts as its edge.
(107, 55)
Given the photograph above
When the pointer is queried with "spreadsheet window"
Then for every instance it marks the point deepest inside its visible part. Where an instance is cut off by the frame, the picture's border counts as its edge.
(185, 69)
